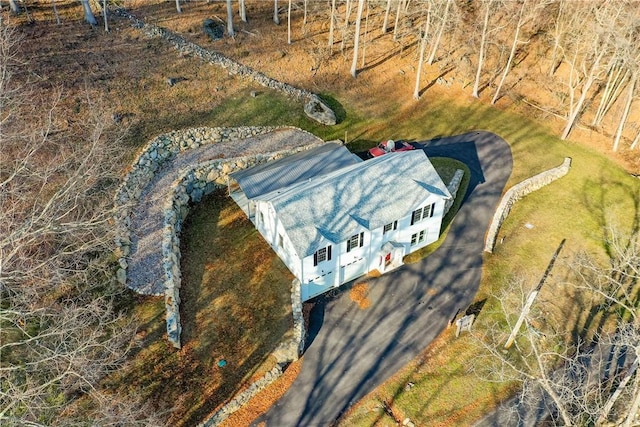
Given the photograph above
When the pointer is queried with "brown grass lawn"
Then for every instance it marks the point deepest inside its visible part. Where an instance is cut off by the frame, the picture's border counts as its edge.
(236, 306)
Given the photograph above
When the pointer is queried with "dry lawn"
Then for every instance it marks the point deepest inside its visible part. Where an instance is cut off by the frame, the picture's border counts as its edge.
(236, 308)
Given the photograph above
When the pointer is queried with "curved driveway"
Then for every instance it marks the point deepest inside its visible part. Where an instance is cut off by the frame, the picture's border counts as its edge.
(350, 350)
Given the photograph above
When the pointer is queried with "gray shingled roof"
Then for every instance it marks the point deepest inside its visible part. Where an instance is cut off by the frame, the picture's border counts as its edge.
(371, 194)
(270, 176)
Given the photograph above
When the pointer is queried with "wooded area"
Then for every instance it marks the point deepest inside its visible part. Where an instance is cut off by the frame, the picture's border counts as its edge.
(61, 326)
(582, 58)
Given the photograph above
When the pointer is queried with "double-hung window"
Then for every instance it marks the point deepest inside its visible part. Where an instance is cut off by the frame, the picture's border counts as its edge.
(321, 255)
(422, 213)
(391, 226)
(355, 241)
(418, 237)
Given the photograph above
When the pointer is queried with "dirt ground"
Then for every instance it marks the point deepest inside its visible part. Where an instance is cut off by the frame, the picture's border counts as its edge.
(389, 68)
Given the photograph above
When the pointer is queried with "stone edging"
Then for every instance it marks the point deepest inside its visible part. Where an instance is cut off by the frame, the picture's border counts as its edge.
(159, 150)
(315, 108)
(517, 192)
(286, 353)
(453, 187)
(192, 184)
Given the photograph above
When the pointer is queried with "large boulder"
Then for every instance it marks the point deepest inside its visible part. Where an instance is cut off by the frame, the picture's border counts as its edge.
(320, 112)
(213, 29)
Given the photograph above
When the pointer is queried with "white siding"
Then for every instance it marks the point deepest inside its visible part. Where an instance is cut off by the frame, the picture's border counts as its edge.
(346, 265)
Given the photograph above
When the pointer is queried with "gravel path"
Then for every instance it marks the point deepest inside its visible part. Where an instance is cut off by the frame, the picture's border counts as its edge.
(145, 274)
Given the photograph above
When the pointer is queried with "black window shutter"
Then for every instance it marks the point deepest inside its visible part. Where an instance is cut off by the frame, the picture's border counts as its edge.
(395, 225)
(361, 239)
(349, 245)
(433, 207)
(315, 259)
(329, 253)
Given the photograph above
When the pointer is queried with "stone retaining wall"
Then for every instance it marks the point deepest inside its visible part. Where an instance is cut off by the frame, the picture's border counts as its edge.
(286, 353)
(453, 187)
(162, 149)
(517, 192)
(315, 108)
(192, 184)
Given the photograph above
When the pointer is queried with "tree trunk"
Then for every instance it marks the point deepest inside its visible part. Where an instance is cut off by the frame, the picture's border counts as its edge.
(332, 24)
(366, 34)
(243, 10)
(556, 41)
(611, 93)
(88, 14)
(356, 39)
(614, 397)
(434, 48)
(105, 16)
(625, 113)
(178, 8)
(423, 45)
(289, 23)
(345, 27)
(276, 18)
(512, 53)
(583, 96)
(397, 22)
(13, 5)
(230, 19)
(635, 141)
(385, 22)
(304, 19)
(483, 41)
(55, 11)
(633, 409)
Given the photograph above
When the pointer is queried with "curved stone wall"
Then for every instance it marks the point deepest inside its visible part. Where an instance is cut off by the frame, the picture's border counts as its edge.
(193, 183)
(315, 108)
(159, 150)
(517, 192)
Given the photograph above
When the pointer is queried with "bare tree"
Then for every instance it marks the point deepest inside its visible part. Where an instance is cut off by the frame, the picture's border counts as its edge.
(242, 10)
(88, 14)
(558, 34)
(332, 19)
(276, 17)
(55, 11)
(13, 5)
(385, 21)
(423, 45)
(60, 334)
(590, 47)
(356, 39)
(443, 23)
(105, 16)
(483, 42)
(178, 8)
(524, 16)
(589, 380)
(230, 19)
(625, 113)
(289, 23)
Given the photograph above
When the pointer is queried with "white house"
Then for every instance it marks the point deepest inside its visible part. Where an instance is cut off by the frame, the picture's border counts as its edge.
(332, 217)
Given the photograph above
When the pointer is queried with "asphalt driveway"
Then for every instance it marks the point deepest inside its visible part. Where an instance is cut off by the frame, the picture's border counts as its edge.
(353, 350)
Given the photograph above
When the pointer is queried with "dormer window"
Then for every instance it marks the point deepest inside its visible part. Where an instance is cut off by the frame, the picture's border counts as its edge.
(355, 241)
(321, 255)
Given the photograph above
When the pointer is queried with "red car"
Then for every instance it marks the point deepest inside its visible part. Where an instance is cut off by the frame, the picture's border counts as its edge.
(389, 146)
